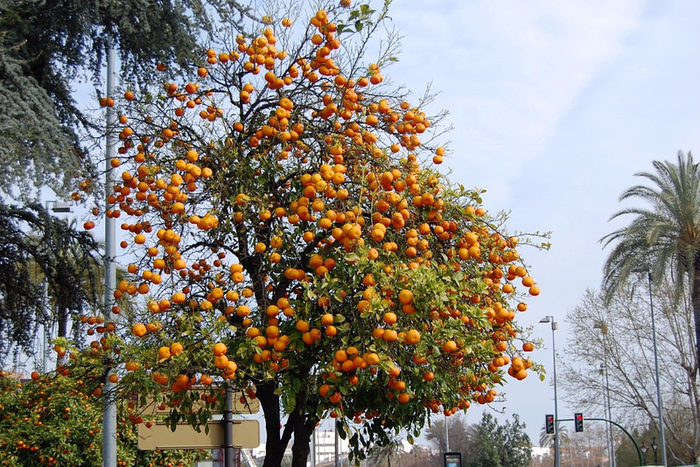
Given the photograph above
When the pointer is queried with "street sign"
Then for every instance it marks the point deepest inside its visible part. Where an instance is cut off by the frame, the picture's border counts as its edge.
(452, 459)
(246, 434)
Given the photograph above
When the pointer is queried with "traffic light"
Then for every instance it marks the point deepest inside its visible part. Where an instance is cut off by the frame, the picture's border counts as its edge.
(578, 421)
(549, 423)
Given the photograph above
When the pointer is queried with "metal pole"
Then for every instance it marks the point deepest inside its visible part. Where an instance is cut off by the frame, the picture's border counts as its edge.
(662, 439)
(228, 428)
(606, 401)
(447, 436)
(336, 462)
(556, 412)
(612, 461)
(550, 319)
(109, 412)
(606, 396)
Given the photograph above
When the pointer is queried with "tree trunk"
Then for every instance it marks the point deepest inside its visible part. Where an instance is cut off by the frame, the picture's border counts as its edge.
(302, 441)
(695, 302)
(269, 401)
(62, 318)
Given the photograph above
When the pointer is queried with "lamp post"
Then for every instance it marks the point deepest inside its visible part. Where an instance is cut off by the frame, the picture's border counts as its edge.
(61, 208)
(659, 401)
(644, 450)
(550, 319)
(447, 435)
(655, 448)
(604, 371)
(109, 409)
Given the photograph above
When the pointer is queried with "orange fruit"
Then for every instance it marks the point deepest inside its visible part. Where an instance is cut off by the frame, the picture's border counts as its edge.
(390, 317)
(405, 296)
(412, 336)
(176, 348)
(450, 346)
(219, 349)
(390, 335)
(163, 353)
(139, 329)
(371, 358)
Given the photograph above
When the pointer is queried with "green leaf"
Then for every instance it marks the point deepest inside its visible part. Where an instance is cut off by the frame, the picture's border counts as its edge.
(359, 25)
(341, 430)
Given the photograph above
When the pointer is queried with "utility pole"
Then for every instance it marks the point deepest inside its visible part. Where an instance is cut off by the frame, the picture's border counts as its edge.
(109, 411)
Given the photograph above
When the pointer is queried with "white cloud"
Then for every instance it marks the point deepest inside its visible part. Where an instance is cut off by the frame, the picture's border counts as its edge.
(508, 71)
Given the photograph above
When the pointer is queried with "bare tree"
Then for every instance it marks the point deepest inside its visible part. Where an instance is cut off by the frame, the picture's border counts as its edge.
(618, 335)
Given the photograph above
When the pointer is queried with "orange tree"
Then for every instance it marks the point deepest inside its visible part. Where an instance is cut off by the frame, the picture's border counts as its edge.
(294, 241)
(55, 421)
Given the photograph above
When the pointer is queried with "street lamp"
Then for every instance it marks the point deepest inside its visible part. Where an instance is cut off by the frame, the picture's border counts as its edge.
(659, 401)
(550, 319)
(59, 207)
(644, 448)
(604, 371)
(109, 408)
(655, 448)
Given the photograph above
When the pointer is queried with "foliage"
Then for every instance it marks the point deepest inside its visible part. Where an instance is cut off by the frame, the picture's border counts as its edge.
(45, 47)
(459, 432)
(621, 339)
(54, 421)
(42, 258)
(485, 444)
(664, 238)
(294, 241)
(504, 445)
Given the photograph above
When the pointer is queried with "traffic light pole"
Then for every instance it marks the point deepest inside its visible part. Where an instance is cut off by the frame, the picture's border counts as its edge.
(636, 446)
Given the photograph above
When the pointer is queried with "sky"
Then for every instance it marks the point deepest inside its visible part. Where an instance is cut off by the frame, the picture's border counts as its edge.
(555, 106)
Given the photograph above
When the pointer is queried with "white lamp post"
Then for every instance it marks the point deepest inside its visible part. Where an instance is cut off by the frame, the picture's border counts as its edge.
(659, 401)
(604, 371)
(550, 319)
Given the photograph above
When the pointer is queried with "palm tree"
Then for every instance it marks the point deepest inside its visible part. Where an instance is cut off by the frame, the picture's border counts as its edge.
(547, 439)
(662, 240)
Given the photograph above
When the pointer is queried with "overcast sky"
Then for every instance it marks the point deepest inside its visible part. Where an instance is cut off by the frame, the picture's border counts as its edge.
(555, 106)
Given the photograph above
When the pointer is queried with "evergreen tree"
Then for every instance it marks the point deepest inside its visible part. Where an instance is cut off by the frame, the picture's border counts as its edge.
(47, 47)
(41, 257)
